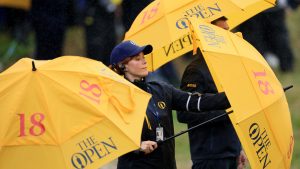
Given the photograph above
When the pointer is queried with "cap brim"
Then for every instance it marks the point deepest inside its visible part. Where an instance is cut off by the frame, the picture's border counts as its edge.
(145, 49)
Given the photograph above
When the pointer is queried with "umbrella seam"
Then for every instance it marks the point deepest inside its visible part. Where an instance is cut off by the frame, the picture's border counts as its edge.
(163, 16)
(80, 98)
(263, 109)
(11, 119)
(94, 107)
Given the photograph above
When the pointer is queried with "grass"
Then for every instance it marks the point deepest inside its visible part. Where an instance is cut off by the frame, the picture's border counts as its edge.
(293, 96)
(74, 45)
(11, 50)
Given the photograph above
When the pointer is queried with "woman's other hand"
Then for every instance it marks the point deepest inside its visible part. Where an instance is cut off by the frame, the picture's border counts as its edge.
(148, 146)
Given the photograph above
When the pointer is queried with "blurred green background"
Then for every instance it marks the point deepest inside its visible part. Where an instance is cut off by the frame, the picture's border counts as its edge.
(11, 51)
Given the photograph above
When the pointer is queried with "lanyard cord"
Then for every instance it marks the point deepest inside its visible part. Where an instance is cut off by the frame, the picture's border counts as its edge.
(148, 123)
(155, 112)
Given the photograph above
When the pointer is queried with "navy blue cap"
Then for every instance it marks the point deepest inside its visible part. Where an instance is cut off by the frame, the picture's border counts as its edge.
(127, 49)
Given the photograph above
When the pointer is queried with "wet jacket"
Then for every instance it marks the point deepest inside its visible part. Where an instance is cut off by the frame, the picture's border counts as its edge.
(216, 139)
(165, 98)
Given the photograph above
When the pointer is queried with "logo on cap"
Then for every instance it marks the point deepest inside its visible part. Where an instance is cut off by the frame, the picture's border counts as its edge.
(132, 43)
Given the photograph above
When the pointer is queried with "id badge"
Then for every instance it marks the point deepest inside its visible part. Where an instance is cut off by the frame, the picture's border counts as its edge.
(159, 133)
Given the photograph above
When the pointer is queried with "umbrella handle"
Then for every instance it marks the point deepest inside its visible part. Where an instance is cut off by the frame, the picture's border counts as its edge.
(287, 88)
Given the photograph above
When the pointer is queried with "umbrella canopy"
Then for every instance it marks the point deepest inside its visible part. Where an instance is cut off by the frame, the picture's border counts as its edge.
(163, 23)
(22, 4)
(261, 115)
(70, 112)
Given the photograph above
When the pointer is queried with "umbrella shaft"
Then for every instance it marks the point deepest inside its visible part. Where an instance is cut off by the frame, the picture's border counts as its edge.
(189, 129)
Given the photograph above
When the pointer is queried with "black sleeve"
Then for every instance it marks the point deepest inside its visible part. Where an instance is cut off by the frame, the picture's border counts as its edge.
(186, 101)
(190, 82)
(193, 80)
(209, 102)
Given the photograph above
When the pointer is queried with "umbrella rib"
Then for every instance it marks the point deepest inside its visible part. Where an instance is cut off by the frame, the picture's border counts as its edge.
(72, 92)
(47, 108)
(253, 114)
(270, 2)
(106, 78)
(256, 94)
(272, 131)
(112, 124)
(81, 97)
(245, 68)
(11, 119)
(63, 156)
(90, 74)
(257, 97)
(163, 16)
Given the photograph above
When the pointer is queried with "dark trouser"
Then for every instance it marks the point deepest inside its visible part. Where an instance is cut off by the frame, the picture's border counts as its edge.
(49, 22)
(267, 32)
(100, 33)
(222, 163)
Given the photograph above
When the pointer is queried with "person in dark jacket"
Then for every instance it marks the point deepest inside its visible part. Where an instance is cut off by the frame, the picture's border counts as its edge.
(100, 30)
(214, 145)
(268, 33)
(49, 21)
(128, 59)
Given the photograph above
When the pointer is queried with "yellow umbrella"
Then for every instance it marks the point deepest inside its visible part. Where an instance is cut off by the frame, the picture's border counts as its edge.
(261, 115)
(22, 4)
(163, 23)
(70, 112)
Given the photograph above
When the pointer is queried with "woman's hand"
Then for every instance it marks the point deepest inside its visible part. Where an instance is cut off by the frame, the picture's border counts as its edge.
(148, 146)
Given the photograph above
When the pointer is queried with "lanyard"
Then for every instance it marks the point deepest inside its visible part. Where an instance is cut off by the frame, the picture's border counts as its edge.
(153, 111)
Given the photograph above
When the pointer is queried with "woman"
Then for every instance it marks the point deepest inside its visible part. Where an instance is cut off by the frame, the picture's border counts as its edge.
(128, 59)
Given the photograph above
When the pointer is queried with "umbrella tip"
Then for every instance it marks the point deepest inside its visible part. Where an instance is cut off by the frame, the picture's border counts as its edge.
(33, 66)
(288, 87)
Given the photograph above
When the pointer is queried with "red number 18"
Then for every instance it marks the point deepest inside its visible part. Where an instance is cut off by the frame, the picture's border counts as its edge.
(36, 123)
(93, 89)
(150, 14)
(264, 86)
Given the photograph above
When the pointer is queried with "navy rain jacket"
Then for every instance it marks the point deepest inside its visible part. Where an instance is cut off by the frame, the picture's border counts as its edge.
(216, 139)
(165, 98)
